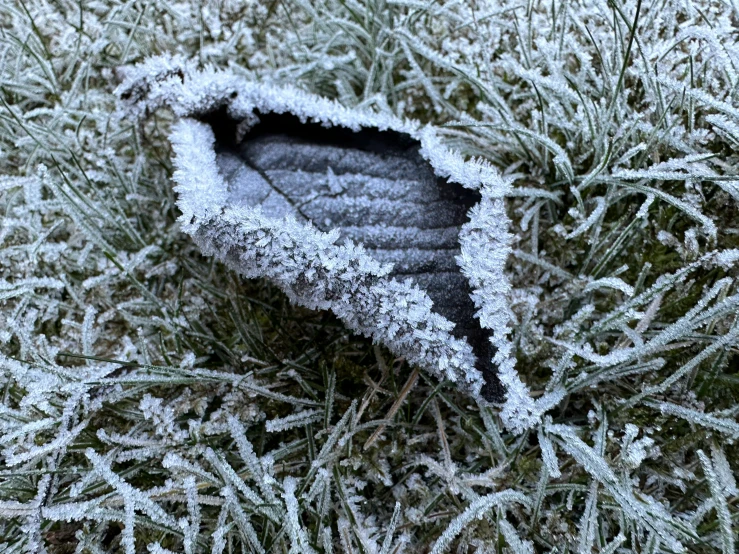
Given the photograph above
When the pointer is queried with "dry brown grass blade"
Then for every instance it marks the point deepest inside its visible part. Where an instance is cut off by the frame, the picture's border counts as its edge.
(395, 407)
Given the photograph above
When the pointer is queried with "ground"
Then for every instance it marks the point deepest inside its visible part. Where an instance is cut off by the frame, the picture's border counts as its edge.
(155, 401)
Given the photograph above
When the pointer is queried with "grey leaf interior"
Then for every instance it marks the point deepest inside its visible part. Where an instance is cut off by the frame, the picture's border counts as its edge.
(387, 198)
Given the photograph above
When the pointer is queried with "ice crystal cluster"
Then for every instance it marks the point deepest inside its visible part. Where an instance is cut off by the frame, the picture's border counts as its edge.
(155, 401)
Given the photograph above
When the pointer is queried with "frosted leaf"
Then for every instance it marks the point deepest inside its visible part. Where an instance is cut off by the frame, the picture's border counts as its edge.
(640, 139)
(274, 204)
(484, 267)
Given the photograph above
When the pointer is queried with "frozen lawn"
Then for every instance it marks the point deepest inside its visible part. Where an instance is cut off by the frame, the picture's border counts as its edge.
(152, 400)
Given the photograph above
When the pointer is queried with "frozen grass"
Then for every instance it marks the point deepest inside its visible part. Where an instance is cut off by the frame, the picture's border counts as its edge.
(154, 401)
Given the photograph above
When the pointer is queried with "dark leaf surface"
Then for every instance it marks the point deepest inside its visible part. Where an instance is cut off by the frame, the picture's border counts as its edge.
(376, 189)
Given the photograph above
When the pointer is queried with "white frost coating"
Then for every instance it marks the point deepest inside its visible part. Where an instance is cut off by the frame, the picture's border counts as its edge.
(307, 264)
(201, 191)
(612, 283)
(293, 420)
(722, 507)
(476, 510)
(727, 258)
(549, 457)
(724, 471)
(299, 540)
(649, 514)
(485, 249)
(517, 545)
(166, 80)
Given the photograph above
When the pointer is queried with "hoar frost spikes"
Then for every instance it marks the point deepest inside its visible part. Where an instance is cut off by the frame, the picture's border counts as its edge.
(341, 208)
